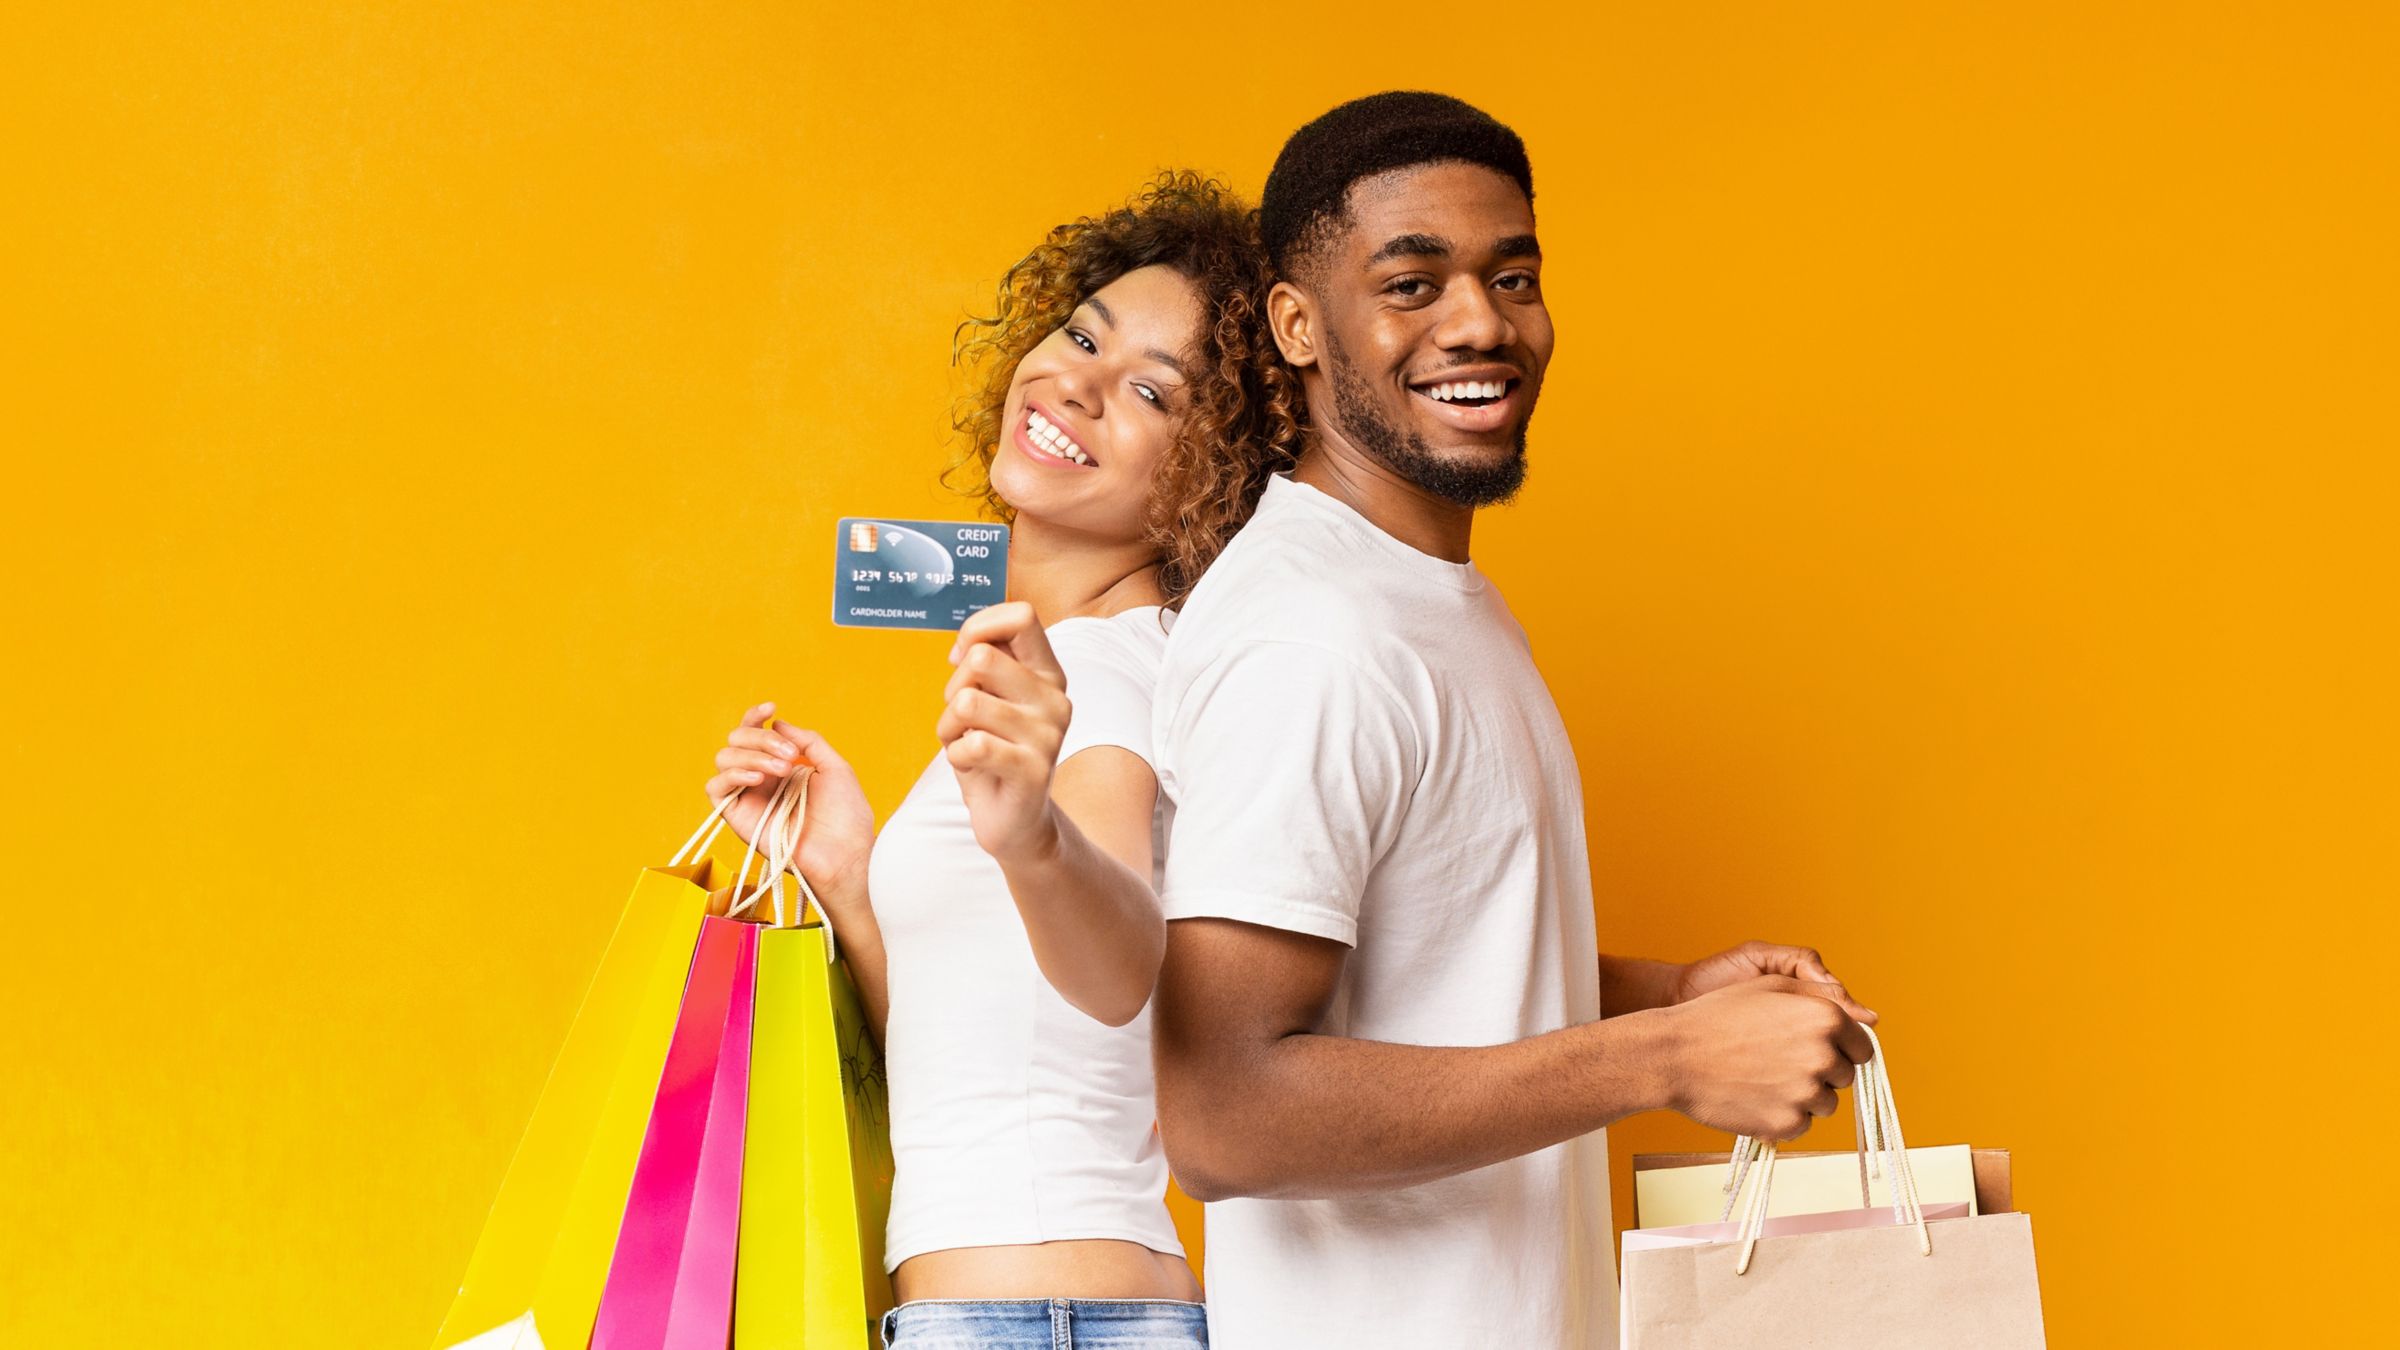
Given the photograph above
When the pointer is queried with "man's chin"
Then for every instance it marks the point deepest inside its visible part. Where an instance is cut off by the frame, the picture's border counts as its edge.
(1484, 453)
(1471, 476)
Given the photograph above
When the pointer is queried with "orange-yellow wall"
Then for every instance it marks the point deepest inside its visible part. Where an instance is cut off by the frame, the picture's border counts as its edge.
(1959, 537)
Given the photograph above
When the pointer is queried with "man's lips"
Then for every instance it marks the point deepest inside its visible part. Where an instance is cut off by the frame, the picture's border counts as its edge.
(1492, 416)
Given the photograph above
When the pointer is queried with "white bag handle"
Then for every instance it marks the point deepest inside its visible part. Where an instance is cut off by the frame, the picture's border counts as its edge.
(1880, 1145)
(779, 828)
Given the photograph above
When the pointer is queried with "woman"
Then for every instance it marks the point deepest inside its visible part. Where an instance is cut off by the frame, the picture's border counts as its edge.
(1002, 928)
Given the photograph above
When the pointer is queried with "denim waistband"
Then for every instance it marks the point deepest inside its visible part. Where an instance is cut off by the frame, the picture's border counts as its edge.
(1047, 1324)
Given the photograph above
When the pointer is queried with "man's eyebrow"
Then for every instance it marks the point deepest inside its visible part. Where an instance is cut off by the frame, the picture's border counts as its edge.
(1411, 246)
(1105, 316)
(1518, 246)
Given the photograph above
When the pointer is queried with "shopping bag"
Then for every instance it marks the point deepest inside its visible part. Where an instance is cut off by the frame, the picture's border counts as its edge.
(1867, 1289)
(1899, 1279)
(536, 1275)
(670, 1282)
(1993, 1190)
(816, 1186)
(1832, 1221)
(1676, 1189)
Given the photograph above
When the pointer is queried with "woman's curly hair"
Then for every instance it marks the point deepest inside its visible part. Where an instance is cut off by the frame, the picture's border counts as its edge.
(1243, 418)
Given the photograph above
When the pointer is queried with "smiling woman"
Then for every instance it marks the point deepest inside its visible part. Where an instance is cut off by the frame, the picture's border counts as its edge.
(1002, 927)
(1054, 313)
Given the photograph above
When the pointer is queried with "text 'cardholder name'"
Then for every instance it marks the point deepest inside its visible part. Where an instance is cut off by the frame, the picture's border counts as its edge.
(916, 573)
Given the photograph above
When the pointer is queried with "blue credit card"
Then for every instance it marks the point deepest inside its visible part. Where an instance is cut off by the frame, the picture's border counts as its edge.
(916, 573)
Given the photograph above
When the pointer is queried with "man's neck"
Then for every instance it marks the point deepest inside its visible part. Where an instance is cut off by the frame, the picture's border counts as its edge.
(1399, 508)
(1066, 575)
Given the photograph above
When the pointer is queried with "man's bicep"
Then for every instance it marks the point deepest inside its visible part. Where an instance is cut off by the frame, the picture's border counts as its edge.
(1229, 990)
(1229, 995)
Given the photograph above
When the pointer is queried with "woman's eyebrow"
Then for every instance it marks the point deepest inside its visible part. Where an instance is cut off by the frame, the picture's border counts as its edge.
(1166, 359)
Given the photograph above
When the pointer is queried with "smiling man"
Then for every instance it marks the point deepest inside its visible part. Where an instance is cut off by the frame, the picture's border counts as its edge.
(1387, 1042)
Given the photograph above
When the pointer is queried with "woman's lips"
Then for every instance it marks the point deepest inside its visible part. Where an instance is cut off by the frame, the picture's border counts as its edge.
(1032, 449)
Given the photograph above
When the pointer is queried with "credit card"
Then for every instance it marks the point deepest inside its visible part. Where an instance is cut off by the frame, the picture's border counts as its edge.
(916, 573)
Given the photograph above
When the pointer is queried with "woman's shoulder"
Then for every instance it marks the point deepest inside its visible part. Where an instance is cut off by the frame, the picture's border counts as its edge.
(1112, 668)
(1139, 633)
(1129, 644)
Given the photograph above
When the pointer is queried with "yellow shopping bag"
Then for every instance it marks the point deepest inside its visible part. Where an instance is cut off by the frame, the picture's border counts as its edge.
(534, 1281)
(817, 1172)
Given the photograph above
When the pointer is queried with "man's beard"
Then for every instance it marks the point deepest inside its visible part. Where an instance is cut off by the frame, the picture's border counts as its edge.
(1407, 454)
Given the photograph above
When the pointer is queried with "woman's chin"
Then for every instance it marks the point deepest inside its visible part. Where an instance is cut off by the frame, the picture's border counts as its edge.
(1009, 485)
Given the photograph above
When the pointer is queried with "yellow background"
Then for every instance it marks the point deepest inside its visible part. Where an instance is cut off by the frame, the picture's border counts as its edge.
(1959, 538)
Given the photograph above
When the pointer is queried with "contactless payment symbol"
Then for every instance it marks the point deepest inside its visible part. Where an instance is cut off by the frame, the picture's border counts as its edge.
(916, 573)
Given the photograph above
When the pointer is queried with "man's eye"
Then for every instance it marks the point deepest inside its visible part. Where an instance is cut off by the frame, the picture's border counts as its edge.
(1075, 335)
(1411, 287)
(1517, 281)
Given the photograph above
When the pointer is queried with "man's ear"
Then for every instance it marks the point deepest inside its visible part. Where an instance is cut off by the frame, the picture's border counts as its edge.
(1292, 318)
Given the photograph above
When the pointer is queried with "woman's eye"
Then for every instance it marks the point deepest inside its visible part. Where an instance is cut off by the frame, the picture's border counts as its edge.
(1076, 336)
(1150, 395)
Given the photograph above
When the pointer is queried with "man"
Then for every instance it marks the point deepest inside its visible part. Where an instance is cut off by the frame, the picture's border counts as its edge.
(1387, 1041)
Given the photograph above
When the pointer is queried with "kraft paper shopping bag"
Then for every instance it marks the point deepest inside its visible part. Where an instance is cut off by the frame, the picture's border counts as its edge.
(1896, 1276)
(1865, 1289)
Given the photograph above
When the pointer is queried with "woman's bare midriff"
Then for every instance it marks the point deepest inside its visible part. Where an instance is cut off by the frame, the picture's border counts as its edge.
(1083, 1268)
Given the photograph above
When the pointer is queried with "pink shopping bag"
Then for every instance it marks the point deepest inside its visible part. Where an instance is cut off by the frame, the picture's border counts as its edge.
(670, 1283)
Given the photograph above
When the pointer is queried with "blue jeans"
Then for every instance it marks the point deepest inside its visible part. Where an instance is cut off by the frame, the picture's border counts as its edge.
(1047, 1324)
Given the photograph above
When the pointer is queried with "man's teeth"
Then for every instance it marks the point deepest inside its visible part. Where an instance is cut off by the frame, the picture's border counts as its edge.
(1047, 437)
(1458, 389)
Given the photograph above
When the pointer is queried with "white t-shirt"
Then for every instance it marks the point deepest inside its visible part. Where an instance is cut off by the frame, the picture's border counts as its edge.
(1355, 744)
(1016, 1118)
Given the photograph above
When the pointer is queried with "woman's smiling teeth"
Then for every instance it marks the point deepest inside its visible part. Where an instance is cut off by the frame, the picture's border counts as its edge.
(1049, 439)
(1461, 391)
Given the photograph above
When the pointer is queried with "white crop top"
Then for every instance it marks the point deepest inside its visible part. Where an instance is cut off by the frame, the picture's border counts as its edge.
(1016, 1118)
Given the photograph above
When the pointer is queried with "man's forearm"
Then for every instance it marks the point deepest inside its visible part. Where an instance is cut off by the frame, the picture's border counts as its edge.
(1631, 984)
(1318, 1115)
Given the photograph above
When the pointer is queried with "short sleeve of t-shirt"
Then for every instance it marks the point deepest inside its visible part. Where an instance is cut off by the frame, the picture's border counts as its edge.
(1291, 768)
(1112, 671)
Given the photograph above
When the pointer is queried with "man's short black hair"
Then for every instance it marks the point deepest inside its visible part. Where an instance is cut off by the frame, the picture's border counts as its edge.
(1310, 185)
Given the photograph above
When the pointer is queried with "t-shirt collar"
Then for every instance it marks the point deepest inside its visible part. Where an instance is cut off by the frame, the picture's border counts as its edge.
(1288, 493)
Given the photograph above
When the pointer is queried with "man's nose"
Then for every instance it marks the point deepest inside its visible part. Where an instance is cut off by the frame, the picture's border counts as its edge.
(1472, 322)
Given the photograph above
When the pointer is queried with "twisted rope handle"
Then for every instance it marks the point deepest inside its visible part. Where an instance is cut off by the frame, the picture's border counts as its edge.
(779, 829)
(1880, 1145)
